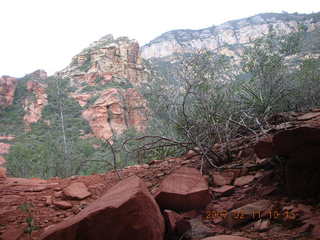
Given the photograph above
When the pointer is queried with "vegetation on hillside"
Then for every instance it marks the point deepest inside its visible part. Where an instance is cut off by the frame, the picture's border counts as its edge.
(209, 99)
(54, 146)
(196, 102)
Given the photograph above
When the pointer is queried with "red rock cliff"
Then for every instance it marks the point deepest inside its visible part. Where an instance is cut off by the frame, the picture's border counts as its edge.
(105, 77)
(7, 90)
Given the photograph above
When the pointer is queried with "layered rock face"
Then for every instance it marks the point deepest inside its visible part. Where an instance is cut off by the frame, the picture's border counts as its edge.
(230, 33)
(104, 77)
(7, 90)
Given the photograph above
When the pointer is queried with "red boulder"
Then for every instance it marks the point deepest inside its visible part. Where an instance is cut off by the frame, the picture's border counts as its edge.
(184, 189)
(301, 148)
(126, 211)
(264, 147)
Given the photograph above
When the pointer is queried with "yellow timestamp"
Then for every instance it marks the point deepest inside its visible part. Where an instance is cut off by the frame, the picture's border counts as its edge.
(273, 215)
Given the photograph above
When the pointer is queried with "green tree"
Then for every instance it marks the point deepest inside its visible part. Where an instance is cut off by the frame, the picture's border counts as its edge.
(267, 86)
(53, 146)
(307, 78)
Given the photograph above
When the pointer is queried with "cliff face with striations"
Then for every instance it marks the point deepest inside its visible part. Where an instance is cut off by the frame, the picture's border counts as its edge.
(232, 33)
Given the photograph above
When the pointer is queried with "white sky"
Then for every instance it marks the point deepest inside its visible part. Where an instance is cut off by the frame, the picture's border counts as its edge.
(46, 34)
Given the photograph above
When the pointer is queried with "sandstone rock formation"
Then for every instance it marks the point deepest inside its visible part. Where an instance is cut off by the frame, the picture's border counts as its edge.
(33, 105)
(110, 60)
(126, 211)
(2, 160)
(7, 90)
(185, 189)
(299, 146)
(7, 138)
(4, 148)
(115, 111)
(105, 76)
(82, 99)
(290, 218)
(39, 74)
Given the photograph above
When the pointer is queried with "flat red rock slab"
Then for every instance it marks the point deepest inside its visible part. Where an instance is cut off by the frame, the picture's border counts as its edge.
(62, 204)
(222, 178)
(224, 189)
(126, 211)
(244, 180)
(77, 191)
(184, 189)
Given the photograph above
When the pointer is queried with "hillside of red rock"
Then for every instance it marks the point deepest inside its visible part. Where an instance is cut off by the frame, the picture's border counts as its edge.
(109, 71)
(269, 191)
(103, 80)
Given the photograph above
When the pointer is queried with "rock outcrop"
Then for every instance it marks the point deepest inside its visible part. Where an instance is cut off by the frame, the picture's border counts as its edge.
(126, 211)
(252, 211)
(4, 148)
(302, 149)
(107, 60)
(234, 33)
(34, 104)
(105, 76)
(7, 90)
(115, 111)
(298, 146)
(39, 75)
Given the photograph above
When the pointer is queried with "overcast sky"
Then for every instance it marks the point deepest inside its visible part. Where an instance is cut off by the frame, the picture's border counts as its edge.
(47, 33)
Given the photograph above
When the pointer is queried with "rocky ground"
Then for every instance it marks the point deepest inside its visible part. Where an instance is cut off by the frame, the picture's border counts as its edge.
(252, 197)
